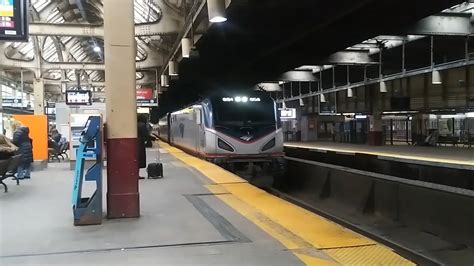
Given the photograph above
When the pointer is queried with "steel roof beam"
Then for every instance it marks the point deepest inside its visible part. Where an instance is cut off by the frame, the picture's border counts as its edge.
(93, 30)
(453, 24)
(348, 57)
(169, 23)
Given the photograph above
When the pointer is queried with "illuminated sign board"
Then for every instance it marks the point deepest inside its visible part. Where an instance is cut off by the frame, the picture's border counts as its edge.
(13, 20)
(145, 98)
(287, 113)
(78, 97)
(241, 99)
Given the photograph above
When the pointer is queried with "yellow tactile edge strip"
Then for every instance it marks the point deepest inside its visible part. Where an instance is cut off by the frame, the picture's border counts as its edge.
(384, 154)
(311, 238)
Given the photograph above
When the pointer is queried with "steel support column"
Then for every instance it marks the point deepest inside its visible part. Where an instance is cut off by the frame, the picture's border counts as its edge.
(38, 91)
(122, 167)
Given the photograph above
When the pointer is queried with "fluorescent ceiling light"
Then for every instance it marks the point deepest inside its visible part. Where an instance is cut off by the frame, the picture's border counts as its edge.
(216, 11)
(218, 19)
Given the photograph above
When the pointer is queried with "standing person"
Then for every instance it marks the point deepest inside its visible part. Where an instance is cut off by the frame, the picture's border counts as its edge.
(21, 138)
(143, 137)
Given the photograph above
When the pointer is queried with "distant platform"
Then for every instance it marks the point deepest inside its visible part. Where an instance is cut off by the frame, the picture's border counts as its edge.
(456, 157)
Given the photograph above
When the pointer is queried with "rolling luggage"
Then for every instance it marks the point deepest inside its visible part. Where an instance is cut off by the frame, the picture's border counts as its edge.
(155, 170)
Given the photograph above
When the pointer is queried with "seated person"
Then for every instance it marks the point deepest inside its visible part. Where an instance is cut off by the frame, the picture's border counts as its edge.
(7, 148)
(52, 144)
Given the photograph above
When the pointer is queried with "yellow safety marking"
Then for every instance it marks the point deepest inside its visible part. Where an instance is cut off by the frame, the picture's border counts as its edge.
(288, 239)
(216, 189)
(371, 255)
(312, 238)
(318, 231)
(406, 157)
(216, 174)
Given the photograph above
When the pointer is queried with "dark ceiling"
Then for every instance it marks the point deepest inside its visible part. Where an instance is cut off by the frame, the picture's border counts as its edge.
(264, 38)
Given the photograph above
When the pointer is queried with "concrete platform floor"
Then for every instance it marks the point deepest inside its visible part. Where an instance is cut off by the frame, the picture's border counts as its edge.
(181, 224)
(450, 155)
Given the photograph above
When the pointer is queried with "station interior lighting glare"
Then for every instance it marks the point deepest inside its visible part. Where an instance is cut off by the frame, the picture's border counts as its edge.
(97, 49)
(186, 47)
(383, 86)
(322, 98)
(350, 93)
(172, 68)
(301, 102)
(216, 11)
(164, 81)
(436, 77)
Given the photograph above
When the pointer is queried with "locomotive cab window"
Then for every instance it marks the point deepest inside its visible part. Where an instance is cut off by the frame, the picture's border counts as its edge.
(198, 116)
(241, 114)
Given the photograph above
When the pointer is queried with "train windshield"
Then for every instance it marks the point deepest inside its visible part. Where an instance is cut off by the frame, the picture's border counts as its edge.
(255, 112)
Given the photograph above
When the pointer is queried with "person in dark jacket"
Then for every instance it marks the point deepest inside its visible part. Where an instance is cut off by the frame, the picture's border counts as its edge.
(143, 137)
(56, 136)
(21, 138)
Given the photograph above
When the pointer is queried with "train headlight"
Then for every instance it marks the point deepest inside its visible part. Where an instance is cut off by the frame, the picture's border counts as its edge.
(269, 145)
(223, 145)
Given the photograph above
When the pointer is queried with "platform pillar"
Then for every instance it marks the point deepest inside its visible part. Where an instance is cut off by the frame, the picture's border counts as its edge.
(38, 91)
(123, 199)
(375, 129)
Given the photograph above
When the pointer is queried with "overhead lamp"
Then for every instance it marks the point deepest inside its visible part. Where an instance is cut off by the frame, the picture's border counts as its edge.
(172, 68)
(186, 47)
(383, 86)
(281, 82)
(164, 81)
(216, 11)
(322, 98)
(283, 105)
(97, 49)
(350, 93)
(436, 77)
(301, 102)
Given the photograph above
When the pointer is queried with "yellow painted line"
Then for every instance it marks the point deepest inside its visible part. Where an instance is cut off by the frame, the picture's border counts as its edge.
(312, 238)
(406, 157)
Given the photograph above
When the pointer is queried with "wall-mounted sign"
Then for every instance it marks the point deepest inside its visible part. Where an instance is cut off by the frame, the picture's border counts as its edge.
(145, 98)
(78, 97)
(13, 20)
(287, 113)
(11, 101)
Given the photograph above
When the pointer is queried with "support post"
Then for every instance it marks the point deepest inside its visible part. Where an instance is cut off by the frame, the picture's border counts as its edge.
(122, 151)
(38, 91)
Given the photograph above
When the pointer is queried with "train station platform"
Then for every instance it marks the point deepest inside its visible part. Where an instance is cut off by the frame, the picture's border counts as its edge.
(199, 214)
(440, 156)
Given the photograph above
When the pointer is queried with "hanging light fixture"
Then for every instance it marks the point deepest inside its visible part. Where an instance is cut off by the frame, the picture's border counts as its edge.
(216, 11)
(186, 47)
(164, 81)
(436, 77)
(172, 68)
(383, 86)
(350, 93)
(301, 102)
(283, 105)
(322, 98)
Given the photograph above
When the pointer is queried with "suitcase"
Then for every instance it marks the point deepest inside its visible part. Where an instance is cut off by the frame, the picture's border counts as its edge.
(155, 170)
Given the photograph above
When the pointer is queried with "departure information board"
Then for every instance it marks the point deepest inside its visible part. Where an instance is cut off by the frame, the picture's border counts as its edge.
(13, 20)
(78, 97)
